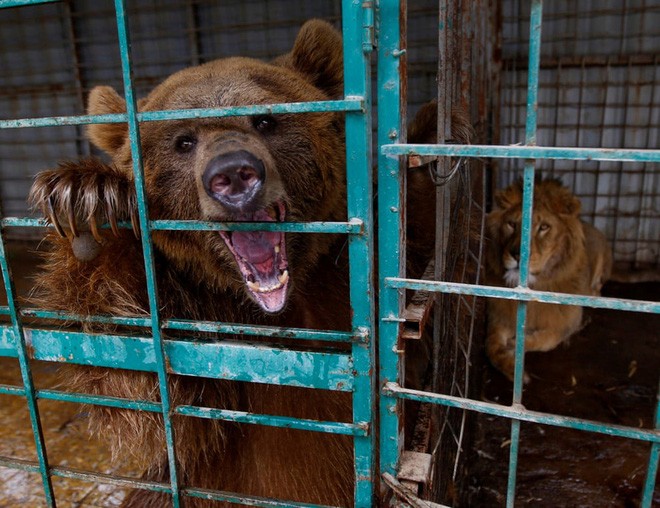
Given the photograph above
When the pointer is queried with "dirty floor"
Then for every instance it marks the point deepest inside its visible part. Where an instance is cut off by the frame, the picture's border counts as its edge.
(608, 373)
(63, 424)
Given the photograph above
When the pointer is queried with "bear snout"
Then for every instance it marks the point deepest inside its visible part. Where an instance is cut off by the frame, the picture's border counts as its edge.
(235, 180)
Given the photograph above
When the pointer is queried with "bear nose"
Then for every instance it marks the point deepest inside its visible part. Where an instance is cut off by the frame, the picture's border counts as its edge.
(234, 179)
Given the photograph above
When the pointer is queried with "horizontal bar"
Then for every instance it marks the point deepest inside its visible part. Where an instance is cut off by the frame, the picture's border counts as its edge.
(100, 400)
(361, 336)
(275, 421)
(229, 497)
(525, 294)
(353, 226)
(127, 482)
(351, 104)
(520, 413)
(348, 429)
(12, 390)
(266, 331)
(525, 152)
(66, 472)
(237, 361)
(23, 3)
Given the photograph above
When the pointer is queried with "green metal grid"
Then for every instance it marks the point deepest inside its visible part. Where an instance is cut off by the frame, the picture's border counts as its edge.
(352, 372)
(390, 184)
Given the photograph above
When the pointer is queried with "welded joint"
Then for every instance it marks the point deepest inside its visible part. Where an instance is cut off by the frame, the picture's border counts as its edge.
(357, 98)
(393, 319)
(357, 225)
(362, 335)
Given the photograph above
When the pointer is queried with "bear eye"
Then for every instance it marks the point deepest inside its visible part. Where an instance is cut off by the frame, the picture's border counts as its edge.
(264, 123)
(185, 143)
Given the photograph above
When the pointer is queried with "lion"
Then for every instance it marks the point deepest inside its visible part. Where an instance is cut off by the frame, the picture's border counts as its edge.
(566, 256)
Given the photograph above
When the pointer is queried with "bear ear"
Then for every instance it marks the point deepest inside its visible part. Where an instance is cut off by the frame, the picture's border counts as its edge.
(109, 137)
(318, 54)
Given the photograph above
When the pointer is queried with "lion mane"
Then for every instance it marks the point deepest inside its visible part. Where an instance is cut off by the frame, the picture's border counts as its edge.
(566, 256)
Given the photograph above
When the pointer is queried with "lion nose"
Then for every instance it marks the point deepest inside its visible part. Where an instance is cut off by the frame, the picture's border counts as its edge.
(234, 179)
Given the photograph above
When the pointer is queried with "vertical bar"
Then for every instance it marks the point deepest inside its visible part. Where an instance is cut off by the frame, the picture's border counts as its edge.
(136, 152)
(442, 192)
(599, 166)
(526, 224)
(357, 24)
(391, 259)
(652, 469)
(82, 144)
(619, 175)
(647, 176)
(193, 29)
(31, 397)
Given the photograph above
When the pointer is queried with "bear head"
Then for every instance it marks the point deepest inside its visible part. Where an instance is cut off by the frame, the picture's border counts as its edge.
(260, 168)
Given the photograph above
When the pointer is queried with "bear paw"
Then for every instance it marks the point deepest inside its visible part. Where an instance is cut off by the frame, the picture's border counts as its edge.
(80, 196)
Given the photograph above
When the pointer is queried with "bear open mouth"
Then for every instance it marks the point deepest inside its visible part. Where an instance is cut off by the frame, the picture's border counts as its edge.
(261, 258)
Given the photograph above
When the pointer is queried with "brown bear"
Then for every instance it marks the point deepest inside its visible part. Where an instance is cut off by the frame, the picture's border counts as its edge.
(260, 168)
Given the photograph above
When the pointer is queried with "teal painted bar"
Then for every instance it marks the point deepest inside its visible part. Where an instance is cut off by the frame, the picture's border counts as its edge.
(525, 232)
(654, 459)
(199, 412)
(203, 326)
(262, 364)
(100, 400)
(22, 3)
(66, 472)
(246, 500)
(360, 336)
(354, 226)
(389, 226)
(12, 390)
(145, 237)
(518, 412)
(524, 294)
(126, 482)
(352, 104)
(357, 31)
(20, 350)
(348, 429)
(237, 361)
(535, 24)
(525, 152)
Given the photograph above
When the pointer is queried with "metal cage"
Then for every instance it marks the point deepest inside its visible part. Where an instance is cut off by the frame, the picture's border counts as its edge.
(459, 58)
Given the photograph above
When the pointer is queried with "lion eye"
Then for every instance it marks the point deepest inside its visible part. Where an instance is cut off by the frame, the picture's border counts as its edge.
(185, 143)
(264, 123)
(511, 224)
(544, 226)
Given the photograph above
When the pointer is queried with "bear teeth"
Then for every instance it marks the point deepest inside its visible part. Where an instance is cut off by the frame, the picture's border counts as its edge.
(257, 288)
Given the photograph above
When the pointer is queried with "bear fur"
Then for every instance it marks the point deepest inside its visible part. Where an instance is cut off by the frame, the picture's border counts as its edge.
(299, 175)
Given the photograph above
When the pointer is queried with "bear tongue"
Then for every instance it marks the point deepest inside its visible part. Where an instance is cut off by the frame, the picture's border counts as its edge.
(257, 248)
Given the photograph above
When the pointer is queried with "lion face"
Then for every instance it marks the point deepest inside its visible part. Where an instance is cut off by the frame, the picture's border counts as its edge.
(555, 235)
